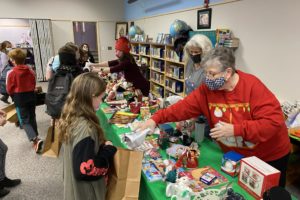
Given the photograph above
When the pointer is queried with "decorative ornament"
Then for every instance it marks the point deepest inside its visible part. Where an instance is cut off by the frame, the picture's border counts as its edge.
(218, 112)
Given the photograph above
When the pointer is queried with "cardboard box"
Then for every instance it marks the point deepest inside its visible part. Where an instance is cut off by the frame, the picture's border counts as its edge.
(231, 163)
(256, 176)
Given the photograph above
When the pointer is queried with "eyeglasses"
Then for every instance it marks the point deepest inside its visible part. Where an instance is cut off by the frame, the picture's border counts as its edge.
(211, 74)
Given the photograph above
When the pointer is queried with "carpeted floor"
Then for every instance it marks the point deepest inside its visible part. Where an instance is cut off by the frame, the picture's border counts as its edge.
(42, 177)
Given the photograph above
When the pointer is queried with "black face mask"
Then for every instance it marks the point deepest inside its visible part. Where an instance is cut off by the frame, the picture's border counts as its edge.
(196, 58)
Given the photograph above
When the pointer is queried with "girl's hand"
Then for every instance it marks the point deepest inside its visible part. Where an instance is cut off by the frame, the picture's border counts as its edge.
(223, 129)
(108, 143)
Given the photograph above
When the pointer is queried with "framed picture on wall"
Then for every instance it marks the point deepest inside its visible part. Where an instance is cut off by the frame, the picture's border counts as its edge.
(121, 29)
(204, 19)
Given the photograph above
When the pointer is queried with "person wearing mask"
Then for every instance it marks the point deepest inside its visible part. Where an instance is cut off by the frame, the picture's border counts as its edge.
(5, 47)
(125, 63)
(194, 50)
(4, 181)
(244, 114)
(85, 55)
(87, 154)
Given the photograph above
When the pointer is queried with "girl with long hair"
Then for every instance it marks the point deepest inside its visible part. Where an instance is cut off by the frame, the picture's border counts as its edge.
(87, 155)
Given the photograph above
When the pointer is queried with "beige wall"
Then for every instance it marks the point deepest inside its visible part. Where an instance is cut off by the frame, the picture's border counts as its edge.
(268, 32)
(63, 12)
(88, 10)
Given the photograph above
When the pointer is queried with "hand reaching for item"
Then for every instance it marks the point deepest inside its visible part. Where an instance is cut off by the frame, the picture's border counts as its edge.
(222, 129)
(150, 123)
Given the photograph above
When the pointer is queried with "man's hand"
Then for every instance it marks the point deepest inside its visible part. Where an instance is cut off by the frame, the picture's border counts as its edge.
(223, 129)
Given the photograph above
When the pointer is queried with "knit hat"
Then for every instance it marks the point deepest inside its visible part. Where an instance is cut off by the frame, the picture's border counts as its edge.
(122, 44)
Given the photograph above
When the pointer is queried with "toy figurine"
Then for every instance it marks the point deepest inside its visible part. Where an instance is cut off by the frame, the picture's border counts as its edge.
(192, 159)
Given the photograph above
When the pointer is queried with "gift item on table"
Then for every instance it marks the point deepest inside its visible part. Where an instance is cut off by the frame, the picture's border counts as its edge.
(135, 139)
(135, 107)
(231, 163)
(208, 178)
(117, 103)
(145, 113)
(122, 118)
(212, 176)
(167, 128)
(163, 140)
(109, 110)
(151, 172)
(179, 191)
(176, 150)
(256, 176)
(186, 140)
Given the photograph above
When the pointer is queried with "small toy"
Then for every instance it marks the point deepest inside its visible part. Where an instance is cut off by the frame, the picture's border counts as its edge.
(231, 163)
(207, 178)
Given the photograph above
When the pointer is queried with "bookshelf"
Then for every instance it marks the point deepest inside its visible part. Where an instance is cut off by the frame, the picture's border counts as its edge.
(163, 67)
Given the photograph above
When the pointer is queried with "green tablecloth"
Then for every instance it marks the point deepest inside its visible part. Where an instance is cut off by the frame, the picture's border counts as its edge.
(210, 155)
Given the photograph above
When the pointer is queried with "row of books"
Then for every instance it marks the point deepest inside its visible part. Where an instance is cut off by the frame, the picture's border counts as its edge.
(172, 55)
(224, 38)
(158, 90)
(158, 65)
(175, 86)
(175, 71)
(159, 78)
(145, 50)
(158, 52)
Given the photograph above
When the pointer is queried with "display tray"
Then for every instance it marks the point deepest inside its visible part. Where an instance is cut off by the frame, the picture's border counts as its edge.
(122, 118)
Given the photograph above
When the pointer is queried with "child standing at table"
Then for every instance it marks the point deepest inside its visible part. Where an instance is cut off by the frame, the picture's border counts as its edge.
(87, 155)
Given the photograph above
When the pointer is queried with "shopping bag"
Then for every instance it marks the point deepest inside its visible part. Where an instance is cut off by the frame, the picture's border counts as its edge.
(125, 175)
(11, 113)
(52, 144)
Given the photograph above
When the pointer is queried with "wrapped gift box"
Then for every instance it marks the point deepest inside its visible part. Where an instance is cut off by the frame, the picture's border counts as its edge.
(256, 176)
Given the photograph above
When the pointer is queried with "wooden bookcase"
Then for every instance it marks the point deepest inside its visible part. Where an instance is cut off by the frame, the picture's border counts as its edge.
(161, 66)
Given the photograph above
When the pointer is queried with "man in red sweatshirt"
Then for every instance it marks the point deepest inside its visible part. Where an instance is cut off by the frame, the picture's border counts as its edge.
(20, 86)
(245, 115)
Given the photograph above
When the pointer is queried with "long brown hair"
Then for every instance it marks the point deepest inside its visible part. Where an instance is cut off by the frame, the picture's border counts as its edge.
(79, 104)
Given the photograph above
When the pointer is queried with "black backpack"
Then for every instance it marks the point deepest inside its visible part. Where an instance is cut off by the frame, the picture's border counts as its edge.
(58, 89)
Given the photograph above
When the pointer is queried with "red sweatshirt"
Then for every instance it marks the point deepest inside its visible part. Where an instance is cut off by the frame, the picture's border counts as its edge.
(259, 127)
(20, 84)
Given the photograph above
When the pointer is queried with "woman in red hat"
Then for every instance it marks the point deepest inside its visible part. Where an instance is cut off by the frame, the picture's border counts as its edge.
(125, 63)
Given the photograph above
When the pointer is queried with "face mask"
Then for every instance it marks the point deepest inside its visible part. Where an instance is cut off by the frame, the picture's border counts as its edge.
(196, 58)
(215, 84)
(8, 49)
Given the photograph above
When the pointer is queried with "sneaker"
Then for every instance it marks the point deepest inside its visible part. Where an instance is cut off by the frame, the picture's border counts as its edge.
(6, 182)
(5, 99)
(3, 192)
(37, 145)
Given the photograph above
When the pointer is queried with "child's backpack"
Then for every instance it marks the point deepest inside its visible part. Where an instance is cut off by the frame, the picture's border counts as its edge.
(58, 89)
(3, 78)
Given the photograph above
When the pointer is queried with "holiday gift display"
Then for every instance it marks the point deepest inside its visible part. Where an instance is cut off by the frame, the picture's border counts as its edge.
(122, 118)
(256, 176)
